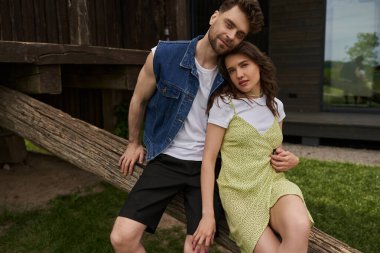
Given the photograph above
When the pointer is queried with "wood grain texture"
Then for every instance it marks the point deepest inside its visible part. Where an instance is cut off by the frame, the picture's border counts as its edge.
(49, 53)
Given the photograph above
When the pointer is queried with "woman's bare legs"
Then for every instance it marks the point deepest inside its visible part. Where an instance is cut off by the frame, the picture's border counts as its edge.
(268, 242)
(290, 219)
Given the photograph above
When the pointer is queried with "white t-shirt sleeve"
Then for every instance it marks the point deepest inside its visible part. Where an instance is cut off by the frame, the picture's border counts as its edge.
(153, 50)
(280, 110)
(221, 113)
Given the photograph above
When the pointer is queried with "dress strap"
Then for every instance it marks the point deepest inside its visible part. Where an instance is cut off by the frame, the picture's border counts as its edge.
(232, 105)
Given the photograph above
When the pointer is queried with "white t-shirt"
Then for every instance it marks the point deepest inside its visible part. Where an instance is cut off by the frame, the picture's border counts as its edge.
(188, 144)
(255, 112)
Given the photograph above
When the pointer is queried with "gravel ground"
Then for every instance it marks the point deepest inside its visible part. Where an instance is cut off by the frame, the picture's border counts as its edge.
(327, 153)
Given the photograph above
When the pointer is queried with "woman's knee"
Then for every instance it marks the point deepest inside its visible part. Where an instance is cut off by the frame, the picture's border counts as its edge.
(304, 225)
(298, 229)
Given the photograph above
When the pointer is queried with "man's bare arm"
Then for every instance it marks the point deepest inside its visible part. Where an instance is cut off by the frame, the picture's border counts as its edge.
(145, 87)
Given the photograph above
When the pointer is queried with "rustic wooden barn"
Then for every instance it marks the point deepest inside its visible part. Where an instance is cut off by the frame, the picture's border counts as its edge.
(83, 57)
(293, 36)
(93, 86)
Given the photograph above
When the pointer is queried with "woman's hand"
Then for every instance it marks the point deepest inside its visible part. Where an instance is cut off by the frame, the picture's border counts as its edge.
(203, 237)
(283, 160)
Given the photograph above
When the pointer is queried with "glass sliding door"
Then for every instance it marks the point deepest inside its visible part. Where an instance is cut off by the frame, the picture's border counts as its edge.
(352, 55)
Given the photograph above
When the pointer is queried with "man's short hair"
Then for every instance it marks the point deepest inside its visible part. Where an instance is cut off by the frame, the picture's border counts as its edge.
(252, 10)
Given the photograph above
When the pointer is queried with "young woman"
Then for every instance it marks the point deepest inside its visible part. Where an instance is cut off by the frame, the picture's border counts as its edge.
(265, 212)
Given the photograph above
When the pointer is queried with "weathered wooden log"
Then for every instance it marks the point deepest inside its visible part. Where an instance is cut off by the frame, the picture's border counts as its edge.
(97, 151)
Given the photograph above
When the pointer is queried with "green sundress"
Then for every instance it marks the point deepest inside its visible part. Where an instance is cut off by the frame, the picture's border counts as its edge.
(248, 184)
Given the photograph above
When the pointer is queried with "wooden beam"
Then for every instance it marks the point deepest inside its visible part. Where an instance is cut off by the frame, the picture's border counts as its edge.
(98, 151)
(100, 77)
(35, 79)
(50, 79)
(48, 53)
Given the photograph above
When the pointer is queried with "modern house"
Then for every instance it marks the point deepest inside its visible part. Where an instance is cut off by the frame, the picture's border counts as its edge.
(314, 45)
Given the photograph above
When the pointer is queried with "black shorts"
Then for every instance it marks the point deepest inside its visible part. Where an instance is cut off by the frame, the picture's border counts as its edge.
(162, 179)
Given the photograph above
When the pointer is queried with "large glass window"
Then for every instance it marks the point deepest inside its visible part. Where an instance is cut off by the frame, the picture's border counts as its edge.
(352, 55)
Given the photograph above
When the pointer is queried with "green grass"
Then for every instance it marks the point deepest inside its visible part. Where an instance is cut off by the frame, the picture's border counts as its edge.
(71, 224)
(342, 198)
(77, 224)
(30, 146)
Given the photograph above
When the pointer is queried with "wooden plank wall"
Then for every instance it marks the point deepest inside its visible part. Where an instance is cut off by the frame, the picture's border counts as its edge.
(134, 24)
(110, 23)
(296, 45)
(202, 11)
(34, 20)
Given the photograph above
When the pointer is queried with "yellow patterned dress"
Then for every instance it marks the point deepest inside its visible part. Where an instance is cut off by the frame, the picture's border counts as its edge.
(248, 184)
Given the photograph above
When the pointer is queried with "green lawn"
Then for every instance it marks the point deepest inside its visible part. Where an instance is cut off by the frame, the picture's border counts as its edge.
(342, 198)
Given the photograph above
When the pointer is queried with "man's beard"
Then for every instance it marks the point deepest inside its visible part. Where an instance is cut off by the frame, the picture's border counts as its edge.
(213, 42)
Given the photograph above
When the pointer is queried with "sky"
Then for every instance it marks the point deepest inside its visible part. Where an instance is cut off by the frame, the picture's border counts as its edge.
(344, 20)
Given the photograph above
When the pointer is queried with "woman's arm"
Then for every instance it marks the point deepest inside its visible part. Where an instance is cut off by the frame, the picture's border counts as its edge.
(283, 160)
(204, 235)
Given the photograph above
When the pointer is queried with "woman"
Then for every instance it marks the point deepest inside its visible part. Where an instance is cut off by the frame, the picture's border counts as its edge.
(265, 212)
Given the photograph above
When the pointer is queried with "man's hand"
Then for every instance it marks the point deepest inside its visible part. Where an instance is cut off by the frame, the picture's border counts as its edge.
(133, 153)
(203, 237)
(283, 160)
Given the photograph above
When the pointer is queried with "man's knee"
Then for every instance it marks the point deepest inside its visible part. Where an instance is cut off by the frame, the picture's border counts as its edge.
(117, 239)
(126, 234)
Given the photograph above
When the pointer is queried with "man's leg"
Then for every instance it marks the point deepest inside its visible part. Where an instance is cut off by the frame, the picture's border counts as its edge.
(126, 236)
(188, 247)
(146, 203)
(193, 207)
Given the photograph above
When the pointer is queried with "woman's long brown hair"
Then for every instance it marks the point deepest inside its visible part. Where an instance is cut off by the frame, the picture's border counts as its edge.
(268, 80)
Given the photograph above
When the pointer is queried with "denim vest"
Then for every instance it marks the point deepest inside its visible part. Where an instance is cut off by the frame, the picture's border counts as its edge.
(177, 85)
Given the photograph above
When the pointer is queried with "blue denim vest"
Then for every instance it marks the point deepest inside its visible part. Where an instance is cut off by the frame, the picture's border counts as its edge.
(177, 84)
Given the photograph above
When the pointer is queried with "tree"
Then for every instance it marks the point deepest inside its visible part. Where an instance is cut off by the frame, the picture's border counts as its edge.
(365, 46)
